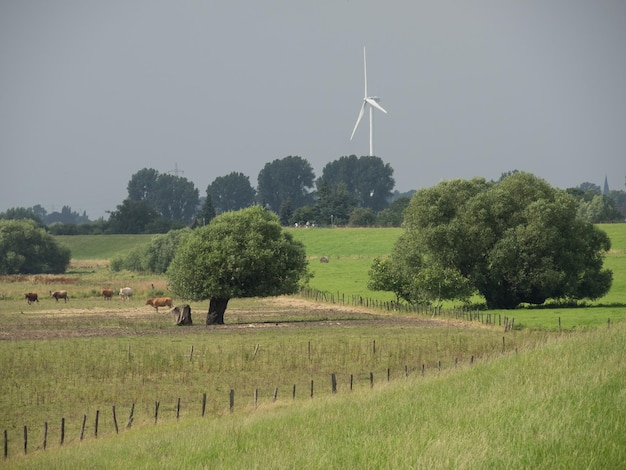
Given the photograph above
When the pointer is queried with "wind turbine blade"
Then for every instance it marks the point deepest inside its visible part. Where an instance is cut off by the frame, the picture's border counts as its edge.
(374, 103)
(358, 120)
(365, 71)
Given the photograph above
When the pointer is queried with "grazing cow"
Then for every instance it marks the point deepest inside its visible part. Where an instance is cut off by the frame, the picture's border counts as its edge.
(126, 293)
(107, 294)
(31, 297)
(183, 315)
(324, 259)
(59, 294)
(159, 302)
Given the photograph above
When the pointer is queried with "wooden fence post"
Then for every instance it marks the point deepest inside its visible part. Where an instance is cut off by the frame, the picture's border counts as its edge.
(177, 408)
(117, 431)
(82, 428)
(256, 397)
(191, 353)
(333, 381)
(311, 388)
(203, 403)
(388, 374)
(231, 399)
(25, 439)
(351, 379)
(156, 411)
(45, 435)
(6, 444)
(131, 416)
(62, 430)
(371, 379)
(95, 429)
(293, 393)
(275, 394)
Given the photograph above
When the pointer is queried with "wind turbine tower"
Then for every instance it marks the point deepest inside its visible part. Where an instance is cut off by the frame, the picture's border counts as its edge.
(372, 101)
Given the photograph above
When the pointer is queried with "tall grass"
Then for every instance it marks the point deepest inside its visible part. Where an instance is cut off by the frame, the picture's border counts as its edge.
(145, 359)
(558, 406)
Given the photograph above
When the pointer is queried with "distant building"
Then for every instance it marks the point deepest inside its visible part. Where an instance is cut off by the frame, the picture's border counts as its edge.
(606, 186)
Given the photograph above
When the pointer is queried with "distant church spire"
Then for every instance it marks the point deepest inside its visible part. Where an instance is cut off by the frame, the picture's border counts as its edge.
(606, 186)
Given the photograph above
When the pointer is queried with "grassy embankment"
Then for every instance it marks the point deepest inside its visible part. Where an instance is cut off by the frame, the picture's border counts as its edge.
(558, 406)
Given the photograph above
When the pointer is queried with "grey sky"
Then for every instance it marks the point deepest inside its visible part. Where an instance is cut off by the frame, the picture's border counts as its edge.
(93, 91)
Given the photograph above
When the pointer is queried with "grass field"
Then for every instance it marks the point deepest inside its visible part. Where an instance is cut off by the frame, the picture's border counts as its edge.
(446, 393)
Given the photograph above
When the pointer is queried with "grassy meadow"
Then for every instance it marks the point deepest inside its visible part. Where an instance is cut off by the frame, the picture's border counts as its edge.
(446, 393)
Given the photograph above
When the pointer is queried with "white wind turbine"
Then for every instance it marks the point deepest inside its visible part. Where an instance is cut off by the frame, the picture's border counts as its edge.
(373, 103)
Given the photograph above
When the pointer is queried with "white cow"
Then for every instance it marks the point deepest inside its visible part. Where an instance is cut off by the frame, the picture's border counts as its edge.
(126, 293)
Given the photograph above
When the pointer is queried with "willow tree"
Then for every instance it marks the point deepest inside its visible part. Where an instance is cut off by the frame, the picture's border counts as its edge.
(239, 254)
(515, 241)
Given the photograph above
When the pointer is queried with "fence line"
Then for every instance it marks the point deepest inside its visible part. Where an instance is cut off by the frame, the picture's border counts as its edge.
(457, 313)
(333, 382)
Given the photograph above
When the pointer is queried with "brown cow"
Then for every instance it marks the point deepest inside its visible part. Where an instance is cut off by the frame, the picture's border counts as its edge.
(107, 294)
(160, 302)
(60, 294)
(31, 297)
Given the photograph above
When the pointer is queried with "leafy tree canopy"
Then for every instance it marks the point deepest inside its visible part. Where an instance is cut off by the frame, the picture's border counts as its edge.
(515, 241)
(138, 217)
(26, 248)
(155, 257)
(239, 254)
(289, 178)
(368, 180)
(231, 192)
(172, 197)
(22, 213)
(393, 215)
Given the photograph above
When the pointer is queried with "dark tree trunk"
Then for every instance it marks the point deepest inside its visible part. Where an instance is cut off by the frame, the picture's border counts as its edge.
(217, 307)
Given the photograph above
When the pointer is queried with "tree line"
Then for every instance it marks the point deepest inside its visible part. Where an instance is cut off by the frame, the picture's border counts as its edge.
(352, 191)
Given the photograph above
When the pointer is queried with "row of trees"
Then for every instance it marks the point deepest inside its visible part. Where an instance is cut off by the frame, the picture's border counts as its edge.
(350, 190)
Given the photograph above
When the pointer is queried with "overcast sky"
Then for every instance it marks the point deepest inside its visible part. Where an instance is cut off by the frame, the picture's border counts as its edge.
(93, 91)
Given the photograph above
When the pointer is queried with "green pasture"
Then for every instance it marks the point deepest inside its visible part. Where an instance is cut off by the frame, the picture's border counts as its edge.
(101, 247)
(351, 252)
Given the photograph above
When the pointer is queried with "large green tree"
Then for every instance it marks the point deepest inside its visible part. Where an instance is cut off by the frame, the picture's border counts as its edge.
(26, 248)
(239, 254)
(231, 192)
(287, 179)
(172, 197)
(367, 179)
(515, 241)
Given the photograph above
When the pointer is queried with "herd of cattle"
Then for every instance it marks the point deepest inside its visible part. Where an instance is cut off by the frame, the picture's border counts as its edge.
(126, 293)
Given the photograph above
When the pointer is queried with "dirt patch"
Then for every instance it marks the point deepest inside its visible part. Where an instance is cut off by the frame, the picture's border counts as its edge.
(280, 312)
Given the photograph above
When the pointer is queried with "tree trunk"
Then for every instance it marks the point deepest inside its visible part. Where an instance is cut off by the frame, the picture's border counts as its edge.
(215, 315)
(182, 314)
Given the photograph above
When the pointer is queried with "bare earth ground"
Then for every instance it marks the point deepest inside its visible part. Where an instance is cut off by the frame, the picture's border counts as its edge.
(277, 312)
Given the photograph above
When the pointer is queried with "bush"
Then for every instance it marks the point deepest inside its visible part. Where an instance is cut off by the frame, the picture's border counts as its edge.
(27, 249)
